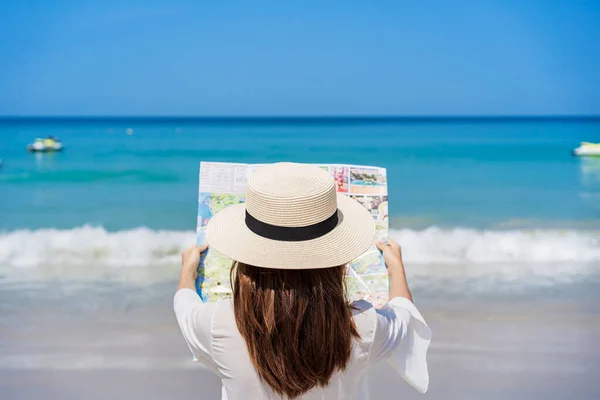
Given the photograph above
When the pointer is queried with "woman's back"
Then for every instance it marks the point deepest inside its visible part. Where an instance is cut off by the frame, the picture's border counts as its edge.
(211, 332)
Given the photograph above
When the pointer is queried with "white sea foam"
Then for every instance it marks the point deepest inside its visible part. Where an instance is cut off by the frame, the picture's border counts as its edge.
(141, 254)
(477, 260)
(92, 245)
(435, 245)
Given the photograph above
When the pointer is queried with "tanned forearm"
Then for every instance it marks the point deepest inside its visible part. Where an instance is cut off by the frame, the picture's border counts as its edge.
(186, 281)
(398, 283)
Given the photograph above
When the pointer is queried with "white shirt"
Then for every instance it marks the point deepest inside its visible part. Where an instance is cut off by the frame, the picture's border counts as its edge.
(397, 333)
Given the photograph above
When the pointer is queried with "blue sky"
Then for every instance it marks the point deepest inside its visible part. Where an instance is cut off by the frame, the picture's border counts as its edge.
(299, 58)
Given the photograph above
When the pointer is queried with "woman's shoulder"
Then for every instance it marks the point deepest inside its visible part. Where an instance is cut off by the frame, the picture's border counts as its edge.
(360, 307)
(224, 304)
(224, 314)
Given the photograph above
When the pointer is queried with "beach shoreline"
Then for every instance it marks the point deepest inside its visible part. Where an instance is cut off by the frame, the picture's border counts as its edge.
(517, 349)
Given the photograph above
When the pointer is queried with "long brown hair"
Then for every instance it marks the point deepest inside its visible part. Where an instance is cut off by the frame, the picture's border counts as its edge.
(297, 324)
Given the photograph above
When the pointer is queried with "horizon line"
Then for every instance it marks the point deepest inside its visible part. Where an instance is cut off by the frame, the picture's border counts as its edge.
(300, 117)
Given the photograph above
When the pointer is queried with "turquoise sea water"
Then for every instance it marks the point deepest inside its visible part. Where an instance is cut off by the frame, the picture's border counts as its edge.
(468, 173)
(469, 198)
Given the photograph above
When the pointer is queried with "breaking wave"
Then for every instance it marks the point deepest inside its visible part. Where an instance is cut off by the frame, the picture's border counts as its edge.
(147, 255)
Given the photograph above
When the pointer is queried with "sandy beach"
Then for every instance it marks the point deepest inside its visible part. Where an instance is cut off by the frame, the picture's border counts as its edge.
(114, 347)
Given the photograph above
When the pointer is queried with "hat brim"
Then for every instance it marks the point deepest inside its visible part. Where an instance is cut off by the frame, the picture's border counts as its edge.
(228, 234)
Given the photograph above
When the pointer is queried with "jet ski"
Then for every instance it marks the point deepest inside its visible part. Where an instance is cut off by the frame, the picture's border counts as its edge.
(45, 145)
(587, 149)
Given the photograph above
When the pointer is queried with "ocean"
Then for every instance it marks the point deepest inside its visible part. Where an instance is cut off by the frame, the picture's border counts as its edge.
(497, 220)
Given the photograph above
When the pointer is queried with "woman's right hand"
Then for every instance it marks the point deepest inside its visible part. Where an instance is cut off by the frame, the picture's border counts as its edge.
(392, 254)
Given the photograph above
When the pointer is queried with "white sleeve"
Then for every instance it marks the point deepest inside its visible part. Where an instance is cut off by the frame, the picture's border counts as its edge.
(402, 338)
(195, 321)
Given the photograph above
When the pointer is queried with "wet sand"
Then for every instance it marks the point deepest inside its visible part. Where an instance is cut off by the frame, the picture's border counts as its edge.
(481, 349)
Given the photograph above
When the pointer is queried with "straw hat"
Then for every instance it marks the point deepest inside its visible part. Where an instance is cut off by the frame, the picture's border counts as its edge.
(292, 219)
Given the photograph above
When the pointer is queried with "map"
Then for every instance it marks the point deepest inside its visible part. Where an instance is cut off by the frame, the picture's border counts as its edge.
(224, 184)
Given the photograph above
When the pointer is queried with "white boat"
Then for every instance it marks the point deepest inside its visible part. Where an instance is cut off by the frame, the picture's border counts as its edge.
(45, 145)
(587, 149)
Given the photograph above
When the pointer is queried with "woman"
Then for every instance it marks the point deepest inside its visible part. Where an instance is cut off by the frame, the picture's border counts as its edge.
(288, 331)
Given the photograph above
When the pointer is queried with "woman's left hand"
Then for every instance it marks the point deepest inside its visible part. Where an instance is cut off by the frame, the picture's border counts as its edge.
(190, 259)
